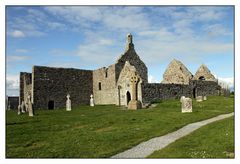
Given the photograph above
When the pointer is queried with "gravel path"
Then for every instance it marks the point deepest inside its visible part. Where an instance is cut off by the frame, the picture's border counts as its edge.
(144, 149)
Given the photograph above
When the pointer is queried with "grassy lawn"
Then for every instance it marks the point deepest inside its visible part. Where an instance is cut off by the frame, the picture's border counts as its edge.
(100, 131)
(215, 140)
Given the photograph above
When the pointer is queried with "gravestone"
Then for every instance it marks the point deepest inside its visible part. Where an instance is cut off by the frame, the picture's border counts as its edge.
(29, 106)
(205, 98)
(199, 98)
(9, 106)
(19, 109)
(91, 100)
(134, 103)
(68, 103)
(186, 105)
(23, 107)
(181, 99)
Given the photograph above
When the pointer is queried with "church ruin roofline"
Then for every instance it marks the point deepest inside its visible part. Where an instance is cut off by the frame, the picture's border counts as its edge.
(47, 67)
(176, 73)
(204, 73)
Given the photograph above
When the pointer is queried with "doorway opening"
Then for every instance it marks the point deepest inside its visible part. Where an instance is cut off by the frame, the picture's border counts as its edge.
(128, 97)
(194, 92)
(51, 104)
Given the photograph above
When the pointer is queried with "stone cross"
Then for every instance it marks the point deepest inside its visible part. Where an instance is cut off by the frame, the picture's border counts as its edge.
(91, 100)
(199, 98)
(186, 105)
(30, 109)
(68, 103)
(134, 103)
(134, 82)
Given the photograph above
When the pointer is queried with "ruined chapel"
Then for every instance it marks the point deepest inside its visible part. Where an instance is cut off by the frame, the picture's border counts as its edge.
(48, 86)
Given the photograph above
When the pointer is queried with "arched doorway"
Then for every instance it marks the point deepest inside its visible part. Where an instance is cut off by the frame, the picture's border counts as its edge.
(51, 104)
(128, 97)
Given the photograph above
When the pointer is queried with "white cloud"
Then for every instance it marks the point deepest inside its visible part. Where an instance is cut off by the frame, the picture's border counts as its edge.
(216, 30)
(162, 45)
(13, 58)
(124, 18)
(12, 85)
(152, 79)
(32, 24)
(17, 34)
(56, 25)
(229, 81)
(76, 14)
(95, 53)
(105, 42)
(21, 50)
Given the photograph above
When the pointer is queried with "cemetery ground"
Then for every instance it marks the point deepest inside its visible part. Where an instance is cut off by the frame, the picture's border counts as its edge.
(105, 130)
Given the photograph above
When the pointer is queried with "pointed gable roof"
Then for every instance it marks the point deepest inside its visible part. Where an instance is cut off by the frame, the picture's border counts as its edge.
(176, 73)
(203, 73)
(132, 57)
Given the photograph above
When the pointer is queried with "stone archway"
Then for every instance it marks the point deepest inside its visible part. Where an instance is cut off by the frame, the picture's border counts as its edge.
(128, 96)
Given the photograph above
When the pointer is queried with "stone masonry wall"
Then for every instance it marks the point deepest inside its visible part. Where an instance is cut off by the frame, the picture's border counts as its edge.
(205, 88)
(159, 91)
(108, 92)
(13, 101)
(53, 85)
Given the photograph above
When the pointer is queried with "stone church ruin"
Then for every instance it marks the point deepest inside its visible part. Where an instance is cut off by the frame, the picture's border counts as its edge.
(48, 86)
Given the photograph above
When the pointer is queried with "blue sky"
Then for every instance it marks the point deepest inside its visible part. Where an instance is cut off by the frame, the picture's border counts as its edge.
(92, 37)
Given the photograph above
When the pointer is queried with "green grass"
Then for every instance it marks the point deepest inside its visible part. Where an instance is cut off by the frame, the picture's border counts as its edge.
(100, 131)
(215, 140)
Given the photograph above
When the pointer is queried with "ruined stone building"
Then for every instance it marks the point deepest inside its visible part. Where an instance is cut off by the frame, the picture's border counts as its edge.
(49, 86)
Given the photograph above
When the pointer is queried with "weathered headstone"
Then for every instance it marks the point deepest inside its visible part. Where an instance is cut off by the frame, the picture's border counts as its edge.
(205, 98)
(19, 109)
(23, 107)
(181, 99)
(91, 100)
(29, 104)
(26, 106)
(134, 103)
(9, 106)
(186, 105)
(68, 103)
(199, 98)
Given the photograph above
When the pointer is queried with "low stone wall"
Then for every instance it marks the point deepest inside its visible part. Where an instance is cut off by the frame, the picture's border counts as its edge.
(205, 88)
(158, 91)
(13, 101)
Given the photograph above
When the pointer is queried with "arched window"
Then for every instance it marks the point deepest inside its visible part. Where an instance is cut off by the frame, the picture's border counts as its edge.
(201, 78)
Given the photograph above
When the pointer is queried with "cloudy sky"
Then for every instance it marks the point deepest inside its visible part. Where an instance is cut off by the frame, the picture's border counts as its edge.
(93, 37)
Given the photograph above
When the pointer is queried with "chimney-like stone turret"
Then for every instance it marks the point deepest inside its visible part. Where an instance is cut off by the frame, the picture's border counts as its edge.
(130, 44)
